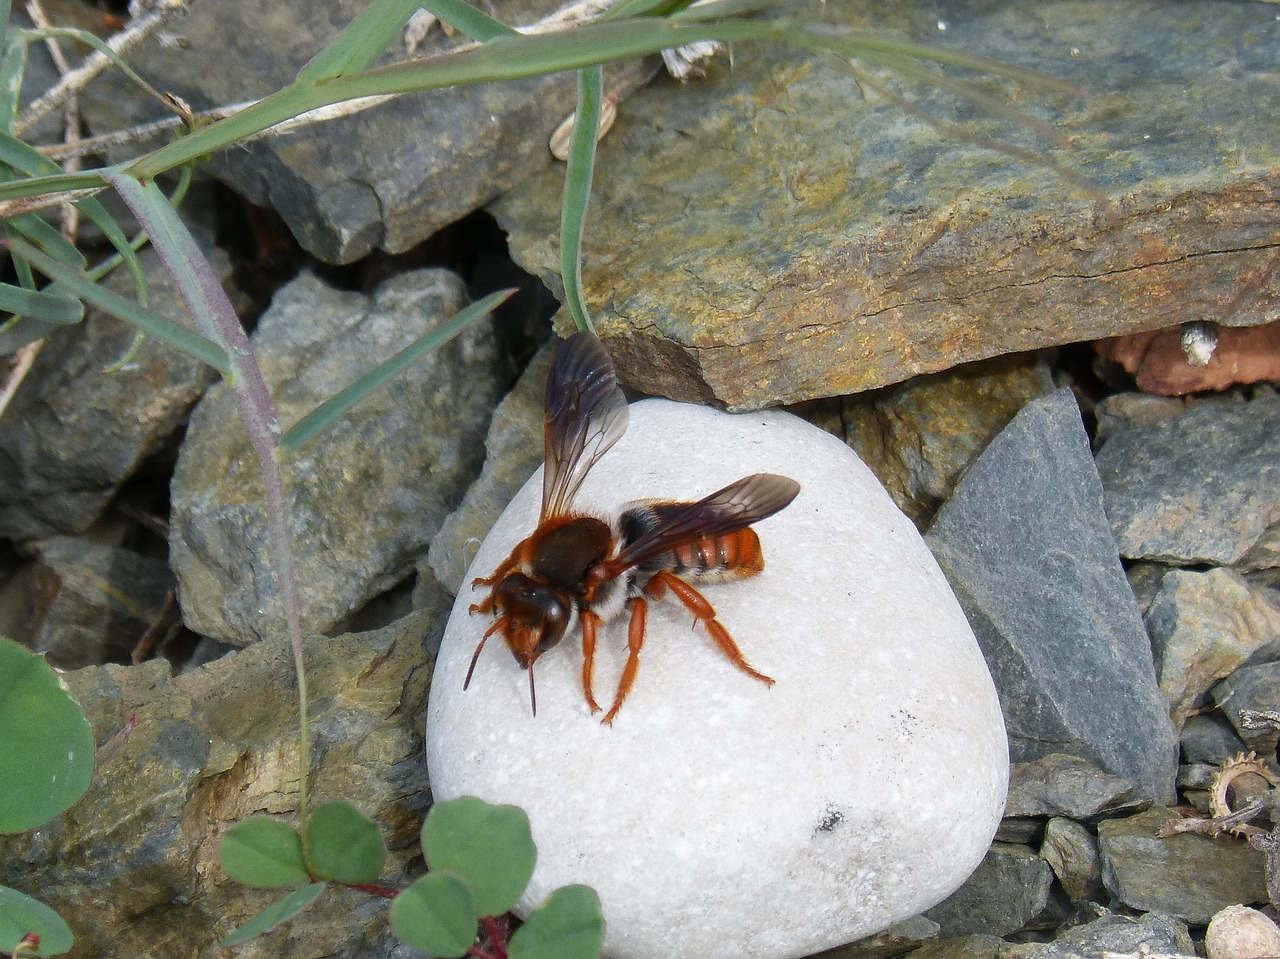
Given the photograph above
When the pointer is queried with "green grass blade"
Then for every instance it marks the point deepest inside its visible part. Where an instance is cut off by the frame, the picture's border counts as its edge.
(39, 231)
(76, 282)
(462, 16)
(281, 912)
(41, 305)
(12, 69)
(577, 191)
(644, 8)
(93, 40)
(361, 42)
(337, 405)
(20, 331)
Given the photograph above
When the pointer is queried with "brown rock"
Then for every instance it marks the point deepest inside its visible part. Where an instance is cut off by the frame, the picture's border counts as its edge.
(1159, 363)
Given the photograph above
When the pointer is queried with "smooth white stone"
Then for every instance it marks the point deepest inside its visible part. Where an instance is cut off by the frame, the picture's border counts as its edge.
(719, 817)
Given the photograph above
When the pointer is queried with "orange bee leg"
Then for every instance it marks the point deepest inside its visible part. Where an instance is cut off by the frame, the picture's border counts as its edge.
(590, 623)
(705, 614)
(635, 639)
(475, 658)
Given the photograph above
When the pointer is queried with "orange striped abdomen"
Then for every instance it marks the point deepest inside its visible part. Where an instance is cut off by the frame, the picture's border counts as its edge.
(707, 559)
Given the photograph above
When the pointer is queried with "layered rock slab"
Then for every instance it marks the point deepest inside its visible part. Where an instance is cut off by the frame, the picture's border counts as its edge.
(778, 233)
(718, 817)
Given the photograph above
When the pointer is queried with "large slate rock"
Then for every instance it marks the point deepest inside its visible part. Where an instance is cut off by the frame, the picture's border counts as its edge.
(1196, 488)
(385, 178)
(1026, 545)
(778, 233)
(367, 495)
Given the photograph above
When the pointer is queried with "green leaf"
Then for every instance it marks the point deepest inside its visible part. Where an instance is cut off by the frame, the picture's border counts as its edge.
(12, 68)
(361, 42)
(343, 844)
(283, 911)
(463, 16)
(337, 405)
(15, 335)
(490, 846)
(146, 320)
(577, 191)
(41, 304)
(437, 914)
(568, 925)
(39, 231)
(21, 915)
(264, 853)
(46, 760)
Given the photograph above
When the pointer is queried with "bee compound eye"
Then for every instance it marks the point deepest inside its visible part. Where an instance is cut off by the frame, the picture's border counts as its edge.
(555, 621)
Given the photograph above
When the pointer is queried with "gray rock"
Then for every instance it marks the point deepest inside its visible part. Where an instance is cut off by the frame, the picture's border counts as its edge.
(1209, 739)
(1197, 488)
(1006, 893)
(977, 946)
(102, 599)
(368, 494)
(1185, 875)
(385, 178)
(1255, 687)
(78, 428)
(843, 245)
(1203, 626)
(1026, 546)
(1154, 933)
(1061, 785)
(133, 867)
(920, 437)
(1072, 852)
(513, 450)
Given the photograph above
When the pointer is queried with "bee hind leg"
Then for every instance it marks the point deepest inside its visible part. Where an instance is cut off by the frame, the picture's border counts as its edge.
(590, 624)
(635, 639)
(705, 614)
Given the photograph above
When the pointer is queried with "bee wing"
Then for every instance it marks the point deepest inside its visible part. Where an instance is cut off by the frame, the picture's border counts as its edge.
(739, 504)
(586, 414)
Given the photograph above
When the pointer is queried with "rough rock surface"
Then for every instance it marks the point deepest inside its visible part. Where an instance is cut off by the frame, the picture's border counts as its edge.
(133, 866)
(369, 492)
(781, 210)
(718, 817)
(79, 426)
(1196, 488)
(1026, 545)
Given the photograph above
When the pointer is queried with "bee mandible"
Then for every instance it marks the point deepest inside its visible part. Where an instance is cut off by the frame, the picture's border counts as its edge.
(576, 567)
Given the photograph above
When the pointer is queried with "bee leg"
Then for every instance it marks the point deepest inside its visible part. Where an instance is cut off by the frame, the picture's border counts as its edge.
(705, 614)
(590, 623)
(635, 639)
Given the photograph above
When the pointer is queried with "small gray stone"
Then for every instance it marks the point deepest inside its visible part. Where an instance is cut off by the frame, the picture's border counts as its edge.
(1210, 739)
(513, 450)
(1253, 687)
(1154, 933)
(1185, 875)
(977, 946)
(1072, 852)
(368, 493)
(1003, 895)
(900, 938)
(1203, 626)
(1202, 487)
(862, 787)
(1062, 785)
(1026, 545)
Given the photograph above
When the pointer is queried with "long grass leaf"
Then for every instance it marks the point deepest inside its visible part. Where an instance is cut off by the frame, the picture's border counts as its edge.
(41, 232)
(74, 281)
(14, 336)
(93, 40)
(463, 16)
(13, 67)
(337, 405)
(361, 42)
(214, 314)
(41, 305)
(577, 191)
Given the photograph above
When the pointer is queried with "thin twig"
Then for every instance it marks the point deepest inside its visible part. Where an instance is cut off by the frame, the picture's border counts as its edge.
(70, 213)
(21, 365)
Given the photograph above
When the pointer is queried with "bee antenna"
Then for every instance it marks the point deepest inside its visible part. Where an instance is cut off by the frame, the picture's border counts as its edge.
(474, 659)
(533, 700)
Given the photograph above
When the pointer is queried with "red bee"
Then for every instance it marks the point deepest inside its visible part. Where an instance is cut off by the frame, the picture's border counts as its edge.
(575, 564)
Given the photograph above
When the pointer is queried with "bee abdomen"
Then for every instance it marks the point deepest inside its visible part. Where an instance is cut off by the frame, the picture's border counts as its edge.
(714, 559)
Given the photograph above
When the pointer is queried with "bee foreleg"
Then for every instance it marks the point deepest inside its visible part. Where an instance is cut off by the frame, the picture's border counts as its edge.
(705, 614)
(635, 639)
(590, 623)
